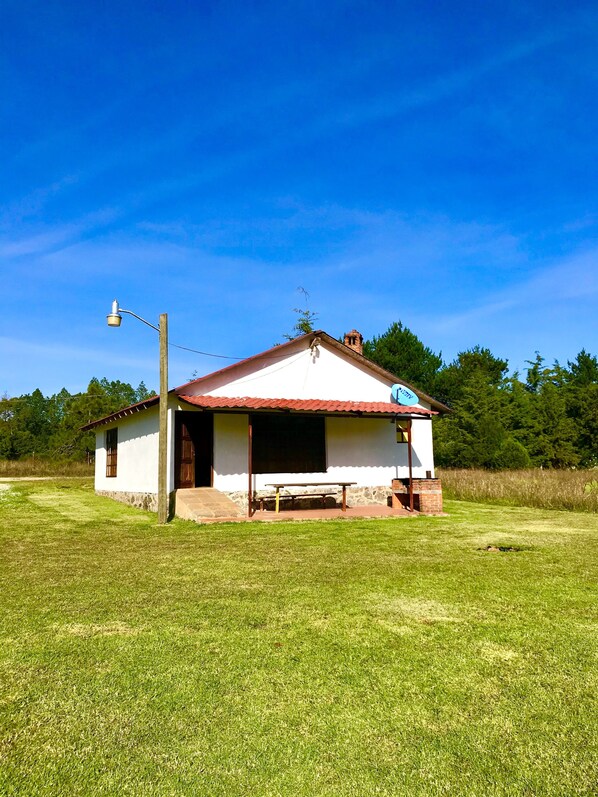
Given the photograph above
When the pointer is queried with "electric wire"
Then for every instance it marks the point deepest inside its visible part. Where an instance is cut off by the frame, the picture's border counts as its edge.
(205, 353)
(226, 356)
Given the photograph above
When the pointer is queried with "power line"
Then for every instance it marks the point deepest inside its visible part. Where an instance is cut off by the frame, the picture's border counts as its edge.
(224, 356)
(205, 353)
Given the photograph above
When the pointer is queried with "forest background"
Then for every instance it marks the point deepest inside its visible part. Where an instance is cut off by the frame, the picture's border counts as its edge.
(546, 418)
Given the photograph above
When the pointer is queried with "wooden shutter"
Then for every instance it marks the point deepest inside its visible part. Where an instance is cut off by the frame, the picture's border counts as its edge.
(289, 444)
(111, 451)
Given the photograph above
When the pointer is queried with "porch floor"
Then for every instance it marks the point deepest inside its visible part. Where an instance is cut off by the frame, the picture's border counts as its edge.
(371, 511)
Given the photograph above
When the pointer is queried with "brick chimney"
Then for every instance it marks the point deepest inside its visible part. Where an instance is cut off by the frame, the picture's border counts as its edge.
(354, 340)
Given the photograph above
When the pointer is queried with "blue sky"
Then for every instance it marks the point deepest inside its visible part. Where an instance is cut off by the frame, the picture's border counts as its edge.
(429, 162)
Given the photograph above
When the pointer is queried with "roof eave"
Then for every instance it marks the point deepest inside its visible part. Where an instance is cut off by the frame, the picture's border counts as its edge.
(239, 408)
(133, 409)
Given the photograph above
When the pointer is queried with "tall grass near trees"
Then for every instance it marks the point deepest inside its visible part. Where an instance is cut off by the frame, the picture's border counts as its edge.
(43, 467)
(545, 489)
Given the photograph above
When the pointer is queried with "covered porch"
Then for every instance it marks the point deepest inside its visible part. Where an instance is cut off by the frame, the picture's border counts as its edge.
(245, 446)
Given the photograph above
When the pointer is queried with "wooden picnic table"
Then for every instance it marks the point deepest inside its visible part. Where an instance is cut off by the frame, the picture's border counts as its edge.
(282, 485)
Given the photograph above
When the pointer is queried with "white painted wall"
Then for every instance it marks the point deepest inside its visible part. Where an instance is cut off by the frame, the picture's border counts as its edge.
(230, 452)
(303, 374)
(363, 450)
(137, 463)
(172, 405)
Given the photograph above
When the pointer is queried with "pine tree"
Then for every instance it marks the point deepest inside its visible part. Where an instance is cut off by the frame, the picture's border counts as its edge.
(450, 381)
(401, 352)
(473, 434)
(551, 442)
(581, 395)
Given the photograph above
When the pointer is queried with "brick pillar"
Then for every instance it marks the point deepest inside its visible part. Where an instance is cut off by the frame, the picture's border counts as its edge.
(427, 495)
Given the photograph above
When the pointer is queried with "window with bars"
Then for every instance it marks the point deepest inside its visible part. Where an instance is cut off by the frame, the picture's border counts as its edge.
(289, 444)
(111, 451)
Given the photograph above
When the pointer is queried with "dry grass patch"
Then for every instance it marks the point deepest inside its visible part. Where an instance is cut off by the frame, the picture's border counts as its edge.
(545, 489)
(74, 507)
(493, 652)
(91, 629)
(418, 609)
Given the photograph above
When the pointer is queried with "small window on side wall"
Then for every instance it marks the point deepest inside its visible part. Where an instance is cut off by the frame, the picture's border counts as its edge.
(111, 451)
(403, 428)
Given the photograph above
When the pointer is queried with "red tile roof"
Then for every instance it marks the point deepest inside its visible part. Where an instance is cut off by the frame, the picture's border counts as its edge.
(304, 405)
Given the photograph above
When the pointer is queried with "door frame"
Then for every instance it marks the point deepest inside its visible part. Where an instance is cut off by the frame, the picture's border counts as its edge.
(182, 417)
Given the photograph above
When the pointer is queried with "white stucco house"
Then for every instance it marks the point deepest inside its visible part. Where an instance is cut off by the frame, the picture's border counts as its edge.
(312, 410)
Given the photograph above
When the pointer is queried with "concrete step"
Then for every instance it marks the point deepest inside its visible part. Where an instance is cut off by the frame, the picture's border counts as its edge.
(205, 502)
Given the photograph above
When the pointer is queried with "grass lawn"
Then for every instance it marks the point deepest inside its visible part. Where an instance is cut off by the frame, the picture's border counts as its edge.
(387, 657)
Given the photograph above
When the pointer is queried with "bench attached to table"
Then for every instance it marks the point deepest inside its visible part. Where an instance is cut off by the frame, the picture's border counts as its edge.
(282, 496)
(323, 494)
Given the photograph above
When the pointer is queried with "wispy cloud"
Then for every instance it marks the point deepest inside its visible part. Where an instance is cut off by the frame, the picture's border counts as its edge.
(16, 211)
(35, 240)
(342, 116)
(255, 104)
(391, 104)
(571, 279)
(59, 352)
(252, 102)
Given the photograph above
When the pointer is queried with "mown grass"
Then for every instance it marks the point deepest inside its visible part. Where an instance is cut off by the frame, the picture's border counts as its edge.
(544, 489)
(44, 467)
(388, 657)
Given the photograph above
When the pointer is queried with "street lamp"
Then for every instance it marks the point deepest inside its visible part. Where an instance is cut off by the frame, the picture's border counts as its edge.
(114, 319)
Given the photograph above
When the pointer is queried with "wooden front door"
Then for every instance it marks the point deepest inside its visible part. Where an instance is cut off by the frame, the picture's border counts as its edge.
(194, 449)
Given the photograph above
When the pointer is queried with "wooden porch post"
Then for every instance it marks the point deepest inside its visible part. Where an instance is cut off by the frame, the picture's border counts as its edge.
(249, 466)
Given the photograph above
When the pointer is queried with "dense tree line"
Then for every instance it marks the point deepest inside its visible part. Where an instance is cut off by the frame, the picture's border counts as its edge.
(40, 426)
(546, 418)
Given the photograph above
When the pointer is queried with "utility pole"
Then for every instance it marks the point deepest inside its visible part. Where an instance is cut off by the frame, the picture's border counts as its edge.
(163, 429)
(114, 320)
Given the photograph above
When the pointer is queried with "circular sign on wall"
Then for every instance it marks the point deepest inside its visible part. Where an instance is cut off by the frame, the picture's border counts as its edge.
(402, 395)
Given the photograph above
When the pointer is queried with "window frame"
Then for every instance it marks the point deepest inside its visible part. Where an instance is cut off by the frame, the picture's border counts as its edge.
(111, 442)
(291, 443)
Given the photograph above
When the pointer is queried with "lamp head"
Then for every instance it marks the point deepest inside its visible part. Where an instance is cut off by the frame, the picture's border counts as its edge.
(114, 318)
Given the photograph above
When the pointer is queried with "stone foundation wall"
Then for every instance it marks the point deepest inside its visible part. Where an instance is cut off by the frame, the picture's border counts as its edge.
(356, 496)
(427, 497)
(366, 496)
(239, 498)
(146, 501)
